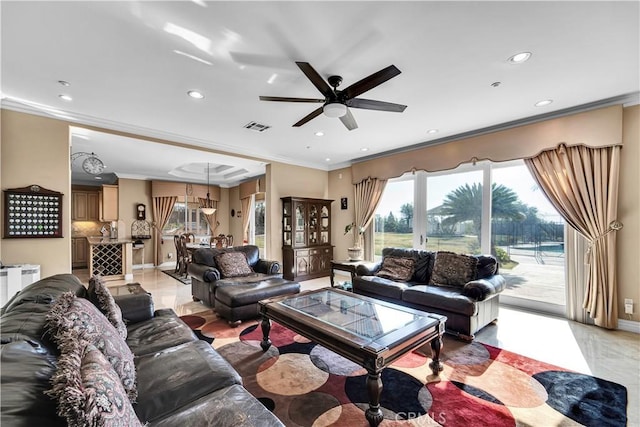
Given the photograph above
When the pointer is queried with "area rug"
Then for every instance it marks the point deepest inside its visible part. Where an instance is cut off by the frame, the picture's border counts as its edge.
(305, 384)
(178, 277)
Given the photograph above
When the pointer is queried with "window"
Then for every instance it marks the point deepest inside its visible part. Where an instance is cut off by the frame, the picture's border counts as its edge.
(186, 218)
(483, 208)
(258, 221)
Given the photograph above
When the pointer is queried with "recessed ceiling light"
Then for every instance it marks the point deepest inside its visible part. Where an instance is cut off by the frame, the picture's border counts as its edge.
(364, 149)
(273, 78)
(65, 97)
(64, 83)
(195, 94)
(98, 177)
(327, 159)
(543, 103)
(319, 133)
(432, 131)
(519, 58)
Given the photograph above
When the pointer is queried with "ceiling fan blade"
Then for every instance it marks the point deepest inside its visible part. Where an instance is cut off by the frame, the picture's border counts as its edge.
(315, 113)
(284, 99)
(349, 121)
(370, 104)
(315, 78)
(370, 82)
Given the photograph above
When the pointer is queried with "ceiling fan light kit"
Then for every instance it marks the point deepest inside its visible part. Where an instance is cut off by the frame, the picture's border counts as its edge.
(336, 102)
(334, 110)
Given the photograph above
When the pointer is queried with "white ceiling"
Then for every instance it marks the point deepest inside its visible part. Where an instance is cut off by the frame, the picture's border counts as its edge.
(129, 71)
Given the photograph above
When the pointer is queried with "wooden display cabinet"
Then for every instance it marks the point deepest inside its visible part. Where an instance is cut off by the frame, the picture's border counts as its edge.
(306, 238)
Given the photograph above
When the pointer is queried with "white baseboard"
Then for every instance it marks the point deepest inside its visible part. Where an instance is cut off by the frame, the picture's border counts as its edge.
(629, 326)
(167, 264)
(142, 266)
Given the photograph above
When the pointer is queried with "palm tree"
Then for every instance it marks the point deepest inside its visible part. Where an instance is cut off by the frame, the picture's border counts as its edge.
(465, 204)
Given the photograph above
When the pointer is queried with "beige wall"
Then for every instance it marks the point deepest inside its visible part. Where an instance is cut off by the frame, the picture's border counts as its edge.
(132, 192)
(288, 180)
(629, 214)
(340, 186)
(35, 150)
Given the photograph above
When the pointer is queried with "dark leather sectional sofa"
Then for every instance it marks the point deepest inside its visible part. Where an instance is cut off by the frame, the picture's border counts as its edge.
(468, 306)
(181, 380)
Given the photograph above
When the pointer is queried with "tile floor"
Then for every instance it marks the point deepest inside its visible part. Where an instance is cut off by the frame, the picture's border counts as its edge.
(611, 355)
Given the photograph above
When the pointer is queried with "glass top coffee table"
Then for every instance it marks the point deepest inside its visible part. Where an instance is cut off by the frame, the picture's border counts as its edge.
(369, 332)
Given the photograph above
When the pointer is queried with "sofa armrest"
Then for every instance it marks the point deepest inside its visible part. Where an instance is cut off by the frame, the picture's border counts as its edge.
(267, 267)
(135, 307)
(368, 269)
(203, 272)
(482, 289)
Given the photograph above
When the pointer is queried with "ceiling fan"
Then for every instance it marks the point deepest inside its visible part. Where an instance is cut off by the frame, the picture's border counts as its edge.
(336, 102)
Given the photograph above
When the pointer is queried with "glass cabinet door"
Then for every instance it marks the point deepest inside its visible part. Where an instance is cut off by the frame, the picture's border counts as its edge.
(300, 225)
(314, 221)
(324, 224)
(286, 223)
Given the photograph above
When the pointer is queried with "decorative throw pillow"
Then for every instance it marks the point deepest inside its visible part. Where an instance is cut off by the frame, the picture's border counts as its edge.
(72, 318)
(451, 269)
(396, 268)
(100, 296)
(233, 264)
(88, 391)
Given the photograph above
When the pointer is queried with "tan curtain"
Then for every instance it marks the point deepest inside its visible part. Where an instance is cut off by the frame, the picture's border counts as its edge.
(162, 208)
(367, 198)
(212, 219)
(576, 273)
(582, 184)
(246, 217)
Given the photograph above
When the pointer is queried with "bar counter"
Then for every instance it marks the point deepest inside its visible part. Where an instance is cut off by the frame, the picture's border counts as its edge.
(111, 258)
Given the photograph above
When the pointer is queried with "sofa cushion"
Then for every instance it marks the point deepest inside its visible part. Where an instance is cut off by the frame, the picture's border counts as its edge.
(27, 365)
(451, 269)
(47, 290)
(233, 264)
(73, 319)
(424, 261)
(176, 376)
(379, 287)
(100, 296)
(230, 406)
(440, 298)
(164, 330)
(396, 268)
(487, 266)
(88, 390)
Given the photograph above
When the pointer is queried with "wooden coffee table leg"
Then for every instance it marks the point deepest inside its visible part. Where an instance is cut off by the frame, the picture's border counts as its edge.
(436, 346)
(374, 388)
(266, 328)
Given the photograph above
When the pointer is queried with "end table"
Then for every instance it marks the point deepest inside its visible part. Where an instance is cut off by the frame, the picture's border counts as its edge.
(344, 265)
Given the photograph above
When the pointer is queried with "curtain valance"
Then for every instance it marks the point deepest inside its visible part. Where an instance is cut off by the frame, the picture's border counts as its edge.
(181, 189)
(596, 128)
(254, 186)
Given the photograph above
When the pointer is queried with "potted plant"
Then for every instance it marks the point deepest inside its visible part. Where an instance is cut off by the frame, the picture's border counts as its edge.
(356, 252)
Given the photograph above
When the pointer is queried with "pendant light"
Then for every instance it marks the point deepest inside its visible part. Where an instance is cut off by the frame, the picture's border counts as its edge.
(208, 208)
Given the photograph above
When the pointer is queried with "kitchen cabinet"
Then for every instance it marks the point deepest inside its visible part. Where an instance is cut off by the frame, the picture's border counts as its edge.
(109, 203)
(85, 206)
(306, 238)
(79, 252)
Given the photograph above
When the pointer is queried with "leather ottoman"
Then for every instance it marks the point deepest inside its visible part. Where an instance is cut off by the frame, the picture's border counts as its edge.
(237, 302)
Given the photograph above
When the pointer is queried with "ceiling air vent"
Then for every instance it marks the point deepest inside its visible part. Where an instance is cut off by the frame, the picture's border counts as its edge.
(256, 127)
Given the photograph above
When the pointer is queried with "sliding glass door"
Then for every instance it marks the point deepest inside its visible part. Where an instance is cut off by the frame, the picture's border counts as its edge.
(481, 208)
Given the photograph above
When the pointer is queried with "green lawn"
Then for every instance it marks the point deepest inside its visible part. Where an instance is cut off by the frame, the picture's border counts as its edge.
(459, 244)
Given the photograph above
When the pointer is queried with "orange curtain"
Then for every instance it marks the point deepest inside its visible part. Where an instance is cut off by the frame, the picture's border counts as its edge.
(162, 208)
(582, 184)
